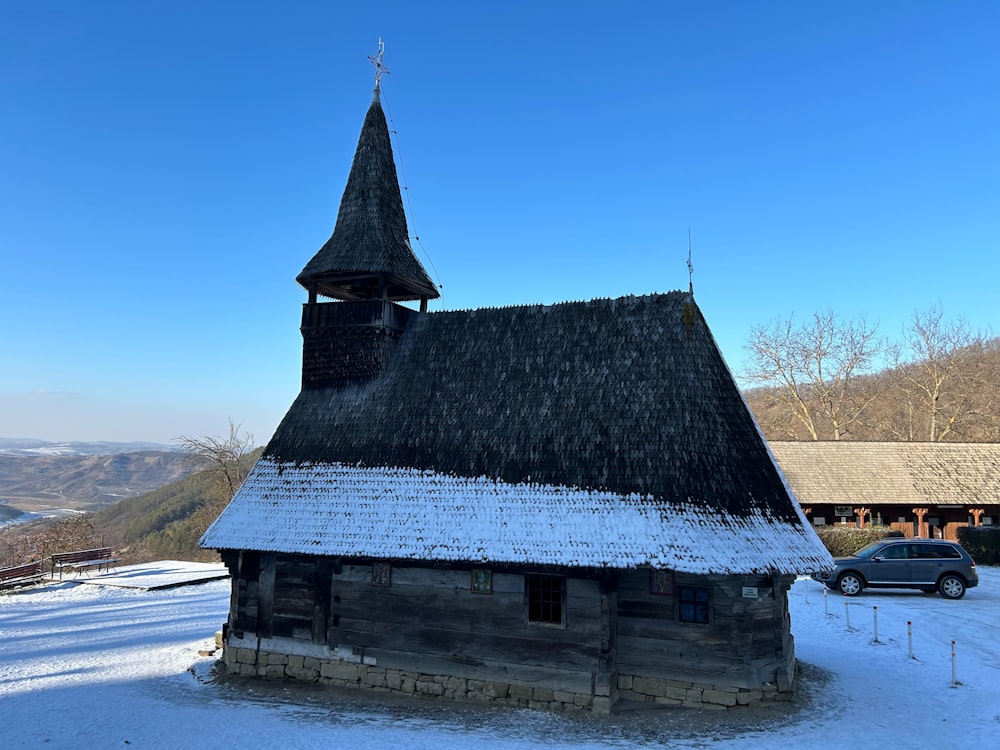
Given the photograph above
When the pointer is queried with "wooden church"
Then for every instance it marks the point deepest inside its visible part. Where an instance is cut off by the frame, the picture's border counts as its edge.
(559, 506)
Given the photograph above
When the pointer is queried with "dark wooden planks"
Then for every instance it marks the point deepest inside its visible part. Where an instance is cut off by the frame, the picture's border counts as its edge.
(430, 621)
(743, 644)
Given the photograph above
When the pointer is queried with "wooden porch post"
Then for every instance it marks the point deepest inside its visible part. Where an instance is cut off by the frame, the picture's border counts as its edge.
(977, 515)
(861, 513)
(265, 594)
(322, 584)
(920, 513)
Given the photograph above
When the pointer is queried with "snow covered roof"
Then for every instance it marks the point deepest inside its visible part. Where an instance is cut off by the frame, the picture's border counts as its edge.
(408, 514)
(603, 433)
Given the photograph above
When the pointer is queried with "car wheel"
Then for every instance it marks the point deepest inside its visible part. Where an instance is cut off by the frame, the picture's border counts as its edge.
(850, 584)
(952, 587)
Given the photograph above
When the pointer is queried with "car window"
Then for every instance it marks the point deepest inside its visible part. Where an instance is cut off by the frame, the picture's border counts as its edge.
(870, 550)
(928, 551)
(895, 552)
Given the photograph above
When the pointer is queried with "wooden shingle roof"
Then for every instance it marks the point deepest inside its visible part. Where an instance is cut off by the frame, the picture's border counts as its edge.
(629, 395)
(607, 432)
(370, 242)
(904, 473)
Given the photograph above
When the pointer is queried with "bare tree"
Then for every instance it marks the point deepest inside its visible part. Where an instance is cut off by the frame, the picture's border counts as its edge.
(815, 371)
(34, 541)
(946, 386)
(228, 458)
(990, 400)
(71, 533)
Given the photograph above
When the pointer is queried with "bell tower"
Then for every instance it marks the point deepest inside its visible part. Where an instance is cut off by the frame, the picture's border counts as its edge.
(364, 270)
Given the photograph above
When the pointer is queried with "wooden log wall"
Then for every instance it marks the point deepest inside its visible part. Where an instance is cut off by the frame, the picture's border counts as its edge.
(428, 620)
(244, 567)
(745, 644)
(617, 634)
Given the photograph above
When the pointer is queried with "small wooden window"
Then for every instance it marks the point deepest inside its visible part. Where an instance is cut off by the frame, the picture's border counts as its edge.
(693, 604)
(546, 597)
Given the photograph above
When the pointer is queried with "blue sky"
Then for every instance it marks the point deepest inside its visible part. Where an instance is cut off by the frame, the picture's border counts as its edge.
(167, 168)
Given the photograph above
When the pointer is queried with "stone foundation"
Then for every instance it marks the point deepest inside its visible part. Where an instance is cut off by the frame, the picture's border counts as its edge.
(356, 673)
(656, 691)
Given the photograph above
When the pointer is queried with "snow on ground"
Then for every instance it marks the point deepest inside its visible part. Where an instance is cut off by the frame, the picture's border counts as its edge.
(164, 574)
(100, 667)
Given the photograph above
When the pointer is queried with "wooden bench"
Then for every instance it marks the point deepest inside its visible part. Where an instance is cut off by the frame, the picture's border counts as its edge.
(99, 557)
(21, 575)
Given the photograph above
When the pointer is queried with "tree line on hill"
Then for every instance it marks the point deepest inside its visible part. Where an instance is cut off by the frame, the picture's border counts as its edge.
(833, 379)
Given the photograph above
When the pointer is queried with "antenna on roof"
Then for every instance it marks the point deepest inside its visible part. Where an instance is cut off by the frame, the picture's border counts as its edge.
(380, 69)
(690, 267)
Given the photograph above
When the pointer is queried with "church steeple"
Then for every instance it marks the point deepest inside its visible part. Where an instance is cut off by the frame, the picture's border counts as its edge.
(369, 256)
(367, 265)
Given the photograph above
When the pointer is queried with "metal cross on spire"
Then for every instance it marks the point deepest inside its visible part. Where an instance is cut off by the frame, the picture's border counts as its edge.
(380, 69)
(690, 266)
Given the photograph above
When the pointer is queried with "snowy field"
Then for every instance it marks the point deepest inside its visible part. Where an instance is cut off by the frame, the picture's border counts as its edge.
(96, 667)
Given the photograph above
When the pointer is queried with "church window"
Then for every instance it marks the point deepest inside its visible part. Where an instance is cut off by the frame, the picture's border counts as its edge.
(546, 598)
(693, 604)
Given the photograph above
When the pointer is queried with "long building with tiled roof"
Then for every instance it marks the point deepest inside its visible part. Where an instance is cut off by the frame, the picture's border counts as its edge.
(570, 504)
(921, 489)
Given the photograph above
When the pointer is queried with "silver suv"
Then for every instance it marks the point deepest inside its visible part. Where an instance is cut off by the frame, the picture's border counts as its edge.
(896, 563)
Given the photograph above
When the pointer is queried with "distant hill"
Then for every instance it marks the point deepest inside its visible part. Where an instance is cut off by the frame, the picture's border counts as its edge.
(33, 447)
(166, 523)
(46, 479)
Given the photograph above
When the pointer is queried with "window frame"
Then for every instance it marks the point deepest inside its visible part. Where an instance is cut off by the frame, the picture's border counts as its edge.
(704, 618)
(538, 590)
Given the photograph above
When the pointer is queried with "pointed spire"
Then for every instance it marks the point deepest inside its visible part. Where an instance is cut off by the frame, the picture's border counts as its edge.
(369, 254)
